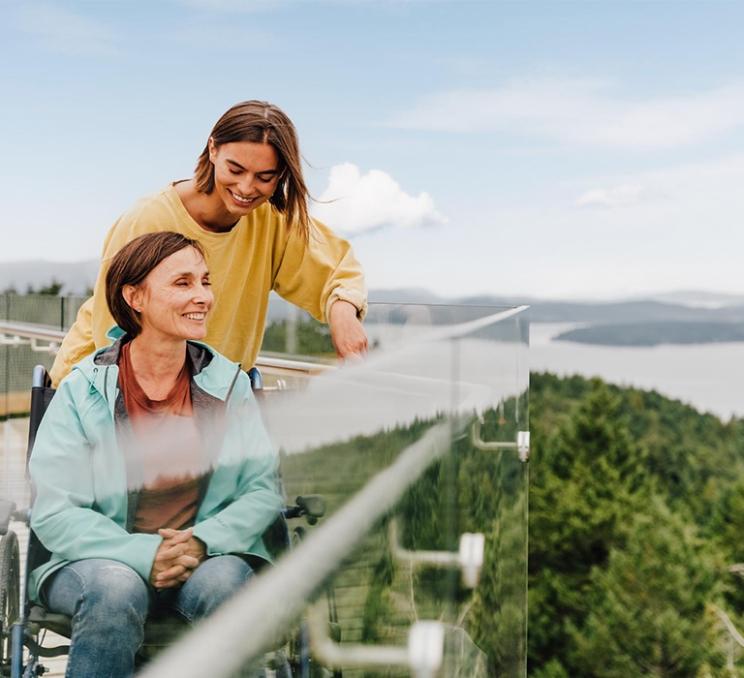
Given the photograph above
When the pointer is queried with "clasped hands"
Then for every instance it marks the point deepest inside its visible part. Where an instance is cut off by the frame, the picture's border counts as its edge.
(178, 555)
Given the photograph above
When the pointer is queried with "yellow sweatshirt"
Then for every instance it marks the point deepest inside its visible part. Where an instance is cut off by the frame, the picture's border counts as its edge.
(258, 255)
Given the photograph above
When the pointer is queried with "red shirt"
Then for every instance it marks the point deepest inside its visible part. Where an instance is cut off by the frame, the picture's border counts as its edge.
(167, 449)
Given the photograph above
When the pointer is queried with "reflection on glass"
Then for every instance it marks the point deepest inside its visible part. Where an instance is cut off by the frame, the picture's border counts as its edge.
(336, 427)
(427, 364)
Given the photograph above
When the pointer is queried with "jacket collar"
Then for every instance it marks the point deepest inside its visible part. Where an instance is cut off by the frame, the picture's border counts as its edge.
(200, 354)
(212, 373)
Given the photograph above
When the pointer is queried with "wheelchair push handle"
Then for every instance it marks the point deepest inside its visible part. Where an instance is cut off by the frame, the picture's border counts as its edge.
(40, 377)
(257, 383)
(312, 506)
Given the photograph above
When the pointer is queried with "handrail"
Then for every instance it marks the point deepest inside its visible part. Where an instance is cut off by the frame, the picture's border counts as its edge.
(31, 331)
(291, 365)
(36, 332)
(248, 624)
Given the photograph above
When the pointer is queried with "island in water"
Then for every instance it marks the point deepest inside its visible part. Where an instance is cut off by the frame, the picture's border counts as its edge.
(655, 333)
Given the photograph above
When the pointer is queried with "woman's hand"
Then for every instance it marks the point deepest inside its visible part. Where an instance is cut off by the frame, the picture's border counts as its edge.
(195, 547)
(347, 333)
(175, 559)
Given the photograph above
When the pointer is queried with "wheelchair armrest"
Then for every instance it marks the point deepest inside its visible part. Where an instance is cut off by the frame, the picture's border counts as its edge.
(7, 509)
(313, 506)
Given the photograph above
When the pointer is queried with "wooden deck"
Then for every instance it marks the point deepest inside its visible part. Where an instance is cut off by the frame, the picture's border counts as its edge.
(14, 403)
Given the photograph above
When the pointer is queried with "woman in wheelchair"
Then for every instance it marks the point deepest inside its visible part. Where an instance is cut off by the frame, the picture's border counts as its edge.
(154, 476)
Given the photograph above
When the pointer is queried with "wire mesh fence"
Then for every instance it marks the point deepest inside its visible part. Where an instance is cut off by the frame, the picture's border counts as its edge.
(17, 355)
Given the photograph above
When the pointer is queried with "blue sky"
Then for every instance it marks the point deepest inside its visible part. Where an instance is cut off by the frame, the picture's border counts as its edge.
(582, 149)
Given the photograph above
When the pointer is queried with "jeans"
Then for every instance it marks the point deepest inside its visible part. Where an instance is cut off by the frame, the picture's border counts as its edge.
(109, 602)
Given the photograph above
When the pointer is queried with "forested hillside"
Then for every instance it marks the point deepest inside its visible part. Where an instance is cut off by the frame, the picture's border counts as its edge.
(636, 513)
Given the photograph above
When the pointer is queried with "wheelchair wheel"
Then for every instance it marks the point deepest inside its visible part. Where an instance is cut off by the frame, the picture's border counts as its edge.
(10, 576)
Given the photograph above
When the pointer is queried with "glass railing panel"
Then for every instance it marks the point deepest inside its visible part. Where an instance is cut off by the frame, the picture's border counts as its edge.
(426, 365)
(442, 400)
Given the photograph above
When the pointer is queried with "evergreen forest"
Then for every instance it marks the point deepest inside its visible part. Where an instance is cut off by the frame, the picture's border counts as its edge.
(636, 507)
(636, 503)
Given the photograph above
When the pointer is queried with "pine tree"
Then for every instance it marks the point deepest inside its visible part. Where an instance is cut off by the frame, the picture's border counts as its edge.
(588, 481)
(647, 609)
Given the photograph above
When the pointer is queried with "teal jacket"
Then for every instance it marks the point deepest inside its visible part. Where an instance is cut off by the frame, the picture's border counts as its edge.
(85, 504)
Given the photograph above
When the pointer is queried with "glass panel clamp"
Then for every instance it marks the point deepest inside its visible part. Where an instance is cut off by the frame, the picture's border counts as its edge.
(423, 655)
(13, 340)
(522, 443)
(469, 557)
(50, 347)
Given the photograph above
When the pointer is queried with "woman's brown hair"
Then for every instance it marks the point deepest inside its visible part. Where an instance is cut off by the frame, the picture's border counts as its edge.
(132, 264)
(262, 122)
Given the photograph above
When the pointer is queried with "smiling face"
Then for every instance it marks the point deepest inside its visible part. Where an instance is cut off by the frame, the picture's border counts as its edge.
(245, 175)
(174, 299)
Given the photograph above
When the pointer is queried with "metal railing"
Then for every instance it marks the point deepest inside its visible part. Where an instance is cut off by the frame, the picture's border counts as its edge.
(13, 333)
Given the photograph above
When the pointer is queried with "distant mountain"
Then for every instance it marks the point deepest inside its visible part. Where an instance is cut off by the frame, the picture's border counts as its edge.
(76, 276)
(683, 306)
(699, 299)
(609, 312)
(641, 322)
(407, 295)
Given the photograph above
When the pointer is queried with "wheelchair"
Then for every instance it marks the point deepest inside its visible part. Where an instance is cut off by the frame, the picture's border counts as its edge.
(23, 623)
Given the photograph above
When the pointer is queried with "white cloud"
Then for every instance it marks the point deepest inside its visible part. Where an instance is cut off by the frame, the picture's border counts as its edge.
(61, 30)
(686, 233)
(583, 112)
(354, 202)
(711, 187)
(612, 197)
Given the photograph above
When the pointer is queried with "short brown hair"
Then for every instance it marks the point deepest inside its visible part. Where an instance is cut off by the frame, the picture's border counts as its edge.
(263, 123)
(132, 264)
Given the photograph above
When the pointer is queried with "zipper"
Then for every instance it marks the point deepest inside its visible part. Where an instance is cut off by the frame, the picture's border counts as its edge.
(232, 386)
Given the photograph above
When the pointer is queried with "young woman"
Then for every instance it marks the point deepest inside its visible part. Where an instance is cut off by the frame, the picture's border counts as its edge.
(247, 206)
(154, 476)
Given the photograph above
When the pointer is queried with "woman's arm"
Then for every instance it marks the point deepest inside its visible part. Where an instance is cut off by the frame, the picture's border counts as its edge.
(319, 274)
(63, 515)
(347, 333)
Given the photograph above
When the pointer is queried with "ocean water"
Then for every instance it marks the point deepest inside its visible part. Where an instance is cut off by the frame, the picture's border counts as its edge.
(709, 377)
